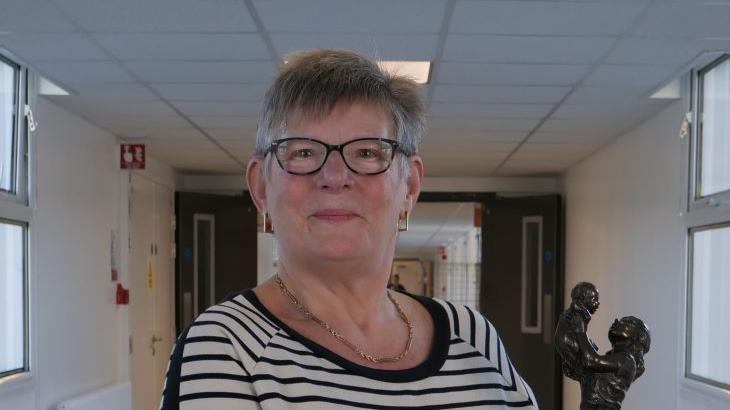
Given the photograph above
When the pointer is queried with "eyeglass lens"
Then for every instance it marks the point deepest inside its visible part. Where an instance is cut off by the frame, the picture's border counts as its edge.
(363, 156)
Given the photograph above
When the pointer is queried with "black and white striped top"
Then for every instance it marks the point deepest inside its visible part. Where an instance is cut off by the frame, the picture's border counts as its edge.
(237, 355)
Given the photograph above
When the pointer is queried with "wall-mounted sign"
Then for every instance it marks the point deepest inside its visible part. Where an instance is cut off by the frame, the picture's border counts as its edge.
(132, 156)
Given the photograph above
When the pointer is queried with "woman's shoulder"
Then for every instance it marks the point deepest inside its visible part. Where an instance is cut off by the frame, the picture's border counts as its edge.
(239, 317)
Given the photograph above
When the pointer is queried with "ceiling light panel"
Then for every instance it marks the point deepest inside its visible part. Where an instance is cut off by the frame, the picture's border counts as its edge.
(418, 71)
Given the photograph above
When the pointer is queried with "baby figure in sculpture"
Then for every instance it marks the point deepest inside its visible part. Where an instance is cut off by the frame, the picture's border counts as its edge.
(604, 379)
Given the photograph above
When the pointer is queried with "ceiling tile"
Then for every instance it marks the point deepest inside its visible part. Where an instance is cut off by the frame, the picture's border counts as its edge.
(468, 136)
(56, 46)
(126, 121)
(460, 110)
(351, 16)
(535, 49)
(84, 71)
(218, 108)
(659, 51)
(557, 137)
(32, 16)
(629, 76)
(226, 122)
(158, 133)
(198, 71)
(510, 74)
(115, 92)
(541, 17)
(238, 134)
(379, 46)
(211, 91)
(686, 19)
(635, 109)
(182, 46)
(482, 124)
(600, 95)
(107, 108)
(498, 94)
(587, 126)
(560, 150)
(458, 169)
(159, 15)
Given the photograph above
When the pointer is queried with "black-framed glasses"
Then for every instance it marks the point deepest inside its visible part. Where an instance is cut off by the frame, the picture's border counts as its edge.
(305, 156)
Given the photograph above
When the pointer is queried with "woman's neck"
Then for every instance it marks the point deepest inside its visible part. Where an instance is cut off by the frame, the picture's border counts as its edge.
(342, 292)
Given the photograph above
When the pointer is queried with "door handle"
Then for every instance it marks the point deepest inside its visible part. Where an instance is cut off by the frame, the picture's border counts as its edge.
(152, 343)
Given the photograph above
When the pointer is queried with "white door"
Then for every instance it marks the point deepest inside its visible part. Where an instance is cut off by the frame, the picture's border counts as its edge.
(150, 288)
(164, 326)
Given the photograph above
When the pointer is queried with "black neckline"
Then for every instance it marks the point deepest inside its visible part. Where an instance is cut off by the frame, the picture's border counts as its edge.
(429, 367)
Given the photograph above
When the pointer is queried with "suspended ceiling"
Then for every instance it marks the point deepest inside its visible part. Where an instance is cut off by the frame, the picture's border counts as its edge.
(517, 87)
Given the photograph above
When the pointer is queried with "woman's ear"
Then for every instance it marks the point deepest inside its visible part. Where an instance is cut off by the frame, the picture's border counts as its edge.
(256, 183)
(413, 182)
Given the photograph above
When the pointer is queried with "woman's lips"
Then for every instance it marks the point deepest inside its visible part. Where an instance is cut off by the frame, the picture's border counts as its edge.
(334, 215)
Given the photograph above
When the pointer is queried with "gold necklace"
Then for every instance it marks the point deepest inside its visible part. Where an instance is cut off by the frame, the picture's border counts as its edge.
(303, 309)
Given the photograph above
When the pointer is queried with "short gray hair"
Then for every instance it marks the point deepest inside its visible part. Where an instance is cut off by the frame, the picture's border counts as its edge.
(312, 82)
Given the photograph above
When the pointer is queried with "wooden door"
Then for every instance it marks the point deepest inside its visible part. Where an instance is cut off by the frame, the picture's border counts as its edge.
(216, 250)
(164, 325)
(521, 287)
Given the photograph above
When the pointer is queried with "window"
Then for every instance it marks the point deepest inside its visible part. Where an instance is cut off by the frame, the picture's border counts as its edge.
(15, 220)
(707, 223)
(8, 126)
(713, 168)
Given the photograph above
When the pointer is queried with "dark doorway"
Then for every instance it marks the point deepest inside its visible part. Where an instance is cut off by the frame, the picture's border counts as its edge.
(522, 295)
(216, 250)
(521, 288)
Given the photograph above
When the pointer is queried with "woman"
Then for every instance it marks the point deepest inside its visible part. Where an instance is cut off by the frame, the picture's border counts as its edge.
(335, 175)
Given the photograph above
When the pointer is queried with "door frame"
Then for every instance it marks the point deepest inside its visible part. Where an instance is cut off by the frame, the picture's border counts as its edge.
(210, 218)
(483, 198)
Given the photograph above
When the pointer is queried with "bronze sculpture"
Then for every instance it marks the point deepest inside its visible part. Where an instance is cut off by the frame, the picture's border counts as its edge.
(604, 379)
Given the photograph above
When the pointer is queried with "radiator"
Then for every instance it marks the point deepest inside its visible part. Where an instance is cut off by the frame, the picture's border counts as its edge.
(113, 397)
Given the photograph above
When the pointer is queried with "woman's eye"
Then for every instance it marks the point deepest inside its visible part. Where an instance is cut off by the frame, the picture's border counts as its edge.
(367, 153)
(302, 153)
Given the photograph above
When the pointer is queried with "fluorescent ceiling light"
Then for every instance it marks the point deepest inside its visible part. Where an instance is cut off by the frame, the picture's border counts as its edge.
(671, 91)
(418, 71)
(47, 87)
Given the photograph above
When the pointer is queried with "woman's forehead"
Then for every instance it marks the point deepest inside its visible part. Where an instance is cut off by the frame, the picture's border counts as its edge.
(352, 118)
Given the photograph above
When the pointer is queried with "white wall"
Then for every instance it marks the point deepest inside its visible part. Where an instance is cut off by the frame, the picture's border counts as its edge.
(623, 233)
(79, 334)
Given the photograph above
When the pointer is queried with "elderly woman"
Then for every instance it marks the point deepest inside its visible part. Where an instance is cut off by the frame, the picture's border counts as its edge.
(335, 175)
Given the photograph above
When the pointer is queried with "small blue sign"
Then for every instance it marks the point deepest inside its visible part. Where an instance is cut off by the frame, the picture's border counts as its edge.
(188, 254)
(548, 256)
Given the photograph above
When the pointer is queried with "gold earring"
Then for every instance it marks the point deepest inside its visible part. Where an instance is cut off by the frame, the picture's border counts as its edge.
(268, 227)
(403, 223)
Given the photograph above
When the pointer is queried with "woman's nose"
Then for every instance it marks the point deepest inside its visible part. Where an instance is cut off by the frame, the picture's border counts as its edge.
(334, 173)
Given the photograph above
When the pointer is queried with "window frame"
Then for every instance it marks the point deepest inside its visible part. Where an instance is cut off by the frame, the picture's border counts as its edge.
(698, 202)
(17, 208)
(20, 146)
(698, 213)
